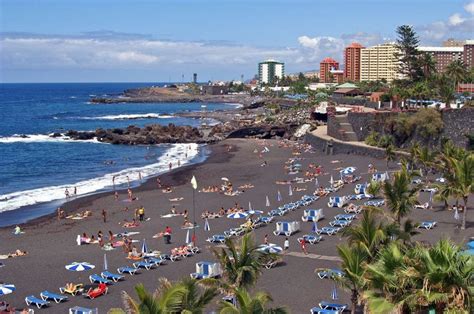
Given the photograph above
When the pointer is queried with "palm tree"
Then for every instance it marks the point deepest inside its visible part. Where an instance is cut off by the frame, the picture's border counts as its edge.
(390, 154)
(426, 158)
(368, 235)
(246, 303)
(464, 182)
(400, 197)
(374, 188)
(353, 258)
(403, 233)
(181, 297)
(457, 72)
(241, 265)
(447, 275)
(428, 64)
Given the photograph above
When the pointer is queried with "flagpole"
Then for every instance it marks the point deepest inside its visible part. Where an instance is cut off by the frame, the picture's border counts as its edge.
(194, 219)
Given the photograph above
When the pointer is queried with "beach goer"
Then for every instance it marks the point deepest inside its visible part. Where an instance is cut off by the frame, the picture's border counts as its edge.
(134, 253)
(141, 213)
(158, 182)
(179, 163)
(60, 212)
(66, 192)
(173, 210)
(111, 236)
(303, 246)
(139, 175)
(104, 215)
(167, 235)
(116, 195)
(17, 230)
(286, 244)
(170, 165)
(265, 239)
(130, 194)
(75, 191)
(100, 238)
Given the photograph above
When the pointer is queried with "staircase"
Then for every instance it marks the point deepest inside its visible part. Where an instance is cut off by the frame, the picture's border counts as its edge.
(345, 129)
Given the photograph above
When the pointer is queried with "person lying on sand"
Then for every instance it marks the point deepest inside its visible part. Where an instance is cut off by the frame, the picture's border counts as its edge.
(134, 223)
(335, 161)
(246, 186)
(167, 190)
(283, 182)
(297, 189)
(134, 254)
(17, 253)
(176, 199)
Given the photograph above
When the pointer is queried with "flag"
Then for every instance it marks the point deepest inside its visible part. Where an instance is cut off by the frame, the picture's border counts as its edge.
(290, 191)
(206, 225)
(267, 202)
(194, 183)
(279, 196)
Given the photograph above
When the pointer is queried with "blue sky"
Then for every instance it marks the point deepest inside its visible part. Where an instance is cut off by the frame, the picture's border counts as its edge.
(118, 40)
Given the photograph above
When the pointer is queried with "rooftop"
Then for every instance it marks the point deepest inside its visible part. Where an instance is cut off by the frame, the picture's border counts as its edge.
(329, 60)
(347, 85)
(441, 49)
(355, 45)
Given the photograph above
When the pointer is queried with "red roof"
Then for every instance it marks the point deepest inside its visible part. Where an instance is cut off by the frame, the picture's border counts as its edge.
(329, 60)
(355, 45)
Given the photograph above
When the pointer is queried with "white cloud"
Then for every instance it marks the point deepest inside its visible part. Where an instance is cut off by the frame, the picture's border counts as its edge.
(469, 8)
(456, 19)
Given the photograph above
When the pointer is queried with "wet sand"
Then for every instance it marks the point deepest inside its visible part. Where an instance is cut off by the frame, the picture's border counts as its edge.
(52, 244)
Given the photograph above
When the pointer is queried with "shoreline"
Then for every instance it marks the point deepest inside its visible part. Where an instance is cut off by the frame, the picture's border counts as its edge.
(72, 206)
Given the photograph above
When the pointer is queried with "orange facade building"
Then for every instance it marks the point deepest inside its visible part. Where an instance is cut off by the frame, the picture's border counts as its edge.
(325, 68)
(352, 62)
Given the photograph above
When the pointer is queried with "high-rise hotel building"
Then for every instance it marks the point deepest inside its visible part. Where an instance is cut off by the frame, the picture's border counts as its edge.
(269, 71)
(379, 62)
(352, 55)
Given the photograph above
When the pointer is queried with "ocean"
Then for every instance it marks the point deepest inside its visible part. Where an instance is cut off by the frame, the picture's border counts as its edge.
(36, 169)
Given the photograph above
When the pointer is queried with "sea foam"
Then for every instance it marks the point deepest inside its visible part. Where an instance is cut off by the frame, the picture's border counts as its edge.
(38, 138)
(182, 152)
(129, 117)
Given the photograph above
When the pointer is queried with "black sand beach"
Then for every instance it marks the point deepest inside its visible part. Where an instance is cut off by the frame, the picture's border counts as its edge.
(52, 244)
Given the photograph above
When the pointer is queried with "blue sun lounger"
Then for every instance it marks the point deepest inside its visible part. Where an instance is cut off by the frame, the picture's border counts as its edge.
(328, 230)
(127, 270)
(111, 276)
(58, 298)
(332, 306)
(318, 310)
(217, 238)
(340, 223)
(98, 279)
(427, 224)
(311, 239)
(156, 260)
(144, 264)
(376, 203)
(330, 273)
(32, 300)
(345, 217)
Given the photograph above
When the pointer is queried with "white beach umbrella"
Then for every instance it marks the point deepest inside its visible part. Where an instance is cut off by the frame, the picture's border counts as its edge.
(334, 295)
(331, 181)
(267, 202)
(224, 179)
(144, 247)
(6, 289)
(348, 170)
(188, 237)
(279, 198)
(290, 191)
(316, 183)
(206, 225)
(250, 206)
(237, 215)
(456, 214)
(314, 228)
(254, 212)
(270, 248)
(106, 266)
(79, 266)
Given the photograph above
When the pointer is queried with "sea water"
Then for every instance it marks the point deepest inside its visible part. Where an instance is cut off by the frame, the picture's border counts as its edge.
(36, 169)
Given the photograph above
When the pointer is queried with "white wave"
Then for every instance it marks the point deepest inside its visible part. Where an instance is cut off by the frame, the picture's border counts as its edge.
(236, 105)
(182, 152)
(129, 117)
(38, 138)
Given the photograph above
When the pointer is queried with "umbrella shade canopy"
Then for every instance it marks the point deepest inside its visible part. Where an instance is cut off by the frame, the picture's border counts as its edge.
(250, 206)
(206, 225)
(6, 289)
(237, 215)
(82, 266)
(314, 227)
(254, 212)
(270, 248)
(267, 201)
(144, 247)
(188, 237)
(470, 244)
(290, 191)
(316, 182)
(224, 179)
(279, 198)
(348, 170)
(331, 181)
(456, 214)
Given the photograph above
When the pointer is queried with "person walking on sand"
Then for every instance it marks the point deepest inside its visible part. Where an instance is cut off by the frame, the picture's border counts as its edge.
(104, 215)
(167, 235)
(130, 195)
(66, 193)
(303, 246)
(141, 213)
(286, 244)
(60, 212)
(116, 195)
(170, 165)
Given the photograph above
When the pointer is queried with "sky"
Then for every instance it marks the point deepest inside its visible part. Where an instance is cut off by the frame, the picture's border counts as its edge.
(163, 41)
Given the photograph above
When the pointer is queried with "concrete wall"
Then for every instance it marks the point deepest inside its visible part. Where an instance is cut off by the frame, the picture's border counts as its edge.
(333, 128)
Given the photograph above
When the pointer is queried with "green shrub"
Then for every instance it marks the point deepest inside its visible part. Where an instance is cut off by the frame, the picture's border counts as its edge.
(372, 139)
(427, 123)
(385, 141)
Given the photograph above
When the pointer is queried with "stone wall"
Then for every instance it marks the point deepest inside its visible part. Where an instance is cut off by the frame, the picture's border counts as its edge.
(333, 128)
(458, 123)
(364, 123)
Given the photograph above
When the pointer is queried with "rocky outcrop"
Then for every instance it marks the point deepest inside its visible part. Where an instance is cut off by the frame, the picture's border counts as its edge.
(148, 135)
(264, 132)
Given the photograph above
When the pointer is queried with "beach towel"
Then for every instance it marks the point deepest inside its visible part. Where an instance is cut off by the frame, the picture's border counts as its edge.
(170, 215)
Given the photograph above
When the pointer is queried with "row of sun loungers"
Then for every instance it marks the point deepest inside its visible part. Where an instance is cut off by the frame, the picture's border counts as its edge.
(329, 308)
